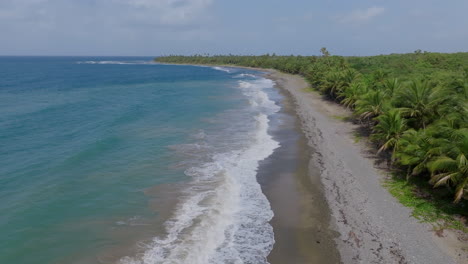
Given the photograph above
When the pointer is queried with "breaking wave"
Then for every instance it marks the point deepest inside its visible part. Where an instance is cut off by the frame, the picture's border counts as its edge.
(224, 216)
(117, 62)
(222, 69)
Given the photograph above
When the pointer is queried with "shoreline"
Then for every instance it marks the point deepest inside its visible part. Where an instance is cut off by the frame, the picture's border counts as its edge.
(301, 217)
(373, 226)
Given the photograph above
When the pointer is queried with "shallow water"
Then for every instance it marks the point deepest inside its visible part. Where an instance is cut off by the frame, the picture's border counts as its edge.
(122, 160)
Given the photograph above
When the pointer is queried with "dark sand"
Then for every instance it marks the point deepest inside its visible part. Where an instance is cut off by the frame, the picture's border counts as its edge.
(302, 217)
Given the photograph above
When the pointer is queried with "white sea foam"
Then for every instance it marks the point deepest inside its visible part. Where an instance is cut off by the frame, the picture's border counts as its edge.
(243, 75)
(133, 221)
(254, 90)
(224, 217)
(116, 62)
(222, 69)
(199, 135)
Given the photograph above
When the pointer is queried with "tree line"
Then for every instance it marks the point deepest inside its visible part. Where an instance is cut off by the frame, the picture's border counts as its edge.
(414, 105)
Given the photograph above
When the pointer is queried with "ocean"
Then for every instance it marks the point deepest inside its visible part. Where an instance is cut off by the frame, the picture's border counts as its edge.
(121, 160)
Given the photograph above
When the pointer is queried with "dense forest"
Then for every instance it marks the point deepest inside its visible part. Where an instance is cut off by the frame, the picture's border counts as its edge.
(415, 106)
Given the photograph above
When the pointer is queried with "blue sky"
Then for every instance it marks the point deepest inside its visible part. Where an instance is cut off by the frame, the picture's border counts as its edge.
(159, 27)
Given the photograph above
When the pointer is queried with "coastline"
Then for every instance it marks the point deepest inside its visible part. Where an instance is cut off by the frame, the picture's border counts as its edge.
(301, 216)
(373, 226)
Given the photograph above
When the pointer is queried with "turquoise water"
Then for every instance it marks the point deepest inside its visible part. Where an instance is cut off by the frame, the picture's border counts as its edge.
(85, 143)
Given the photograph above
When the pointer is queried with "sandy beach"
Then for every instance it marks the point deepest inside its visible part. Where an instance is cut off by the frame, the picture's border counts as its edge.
(370, 225)
(301, 216)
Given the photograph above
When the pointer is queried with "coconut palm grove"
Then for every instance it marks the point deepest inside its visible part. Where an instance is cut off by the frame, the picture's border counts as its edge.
(413, 107)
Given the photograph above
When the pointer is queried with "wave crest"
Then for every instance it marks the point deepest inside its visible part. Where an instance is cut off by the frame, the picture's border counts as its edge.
(117, 62)
(224, 217)
(222, 69)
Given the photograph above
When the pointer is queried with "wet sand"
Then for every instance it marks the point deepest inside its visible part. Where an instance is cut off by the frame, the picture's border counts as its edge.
(292, 185)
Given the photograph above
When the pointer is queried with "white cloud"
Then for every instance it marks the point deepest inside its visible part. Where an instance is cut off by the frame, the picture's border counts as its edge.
(361, 15)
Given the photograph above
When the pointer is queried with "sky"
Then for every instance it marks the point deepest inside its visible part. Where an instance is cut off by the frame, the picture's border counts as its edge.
(163, 27)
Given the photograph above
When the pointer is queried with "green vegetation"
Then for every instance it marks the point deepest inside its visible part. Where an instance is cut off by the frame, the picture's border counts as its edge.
(433, 209)
(414, 105)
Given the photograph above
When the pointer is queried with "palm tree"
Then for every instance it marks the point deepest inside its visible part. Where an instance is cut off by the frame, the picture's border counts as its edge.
(332, 83)
(391, 87)
(420, 101)
(415, 150)
(379, 76)
(372, 105)
(352, 93)
(452, 169)
(314, 73)
(389, 131)
(461, 87)
(448, 170)
(349, 76)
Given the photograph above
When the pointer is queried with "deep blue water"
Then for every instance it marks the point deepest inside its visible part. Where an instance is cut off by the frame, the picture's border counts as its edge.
(83, 141)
